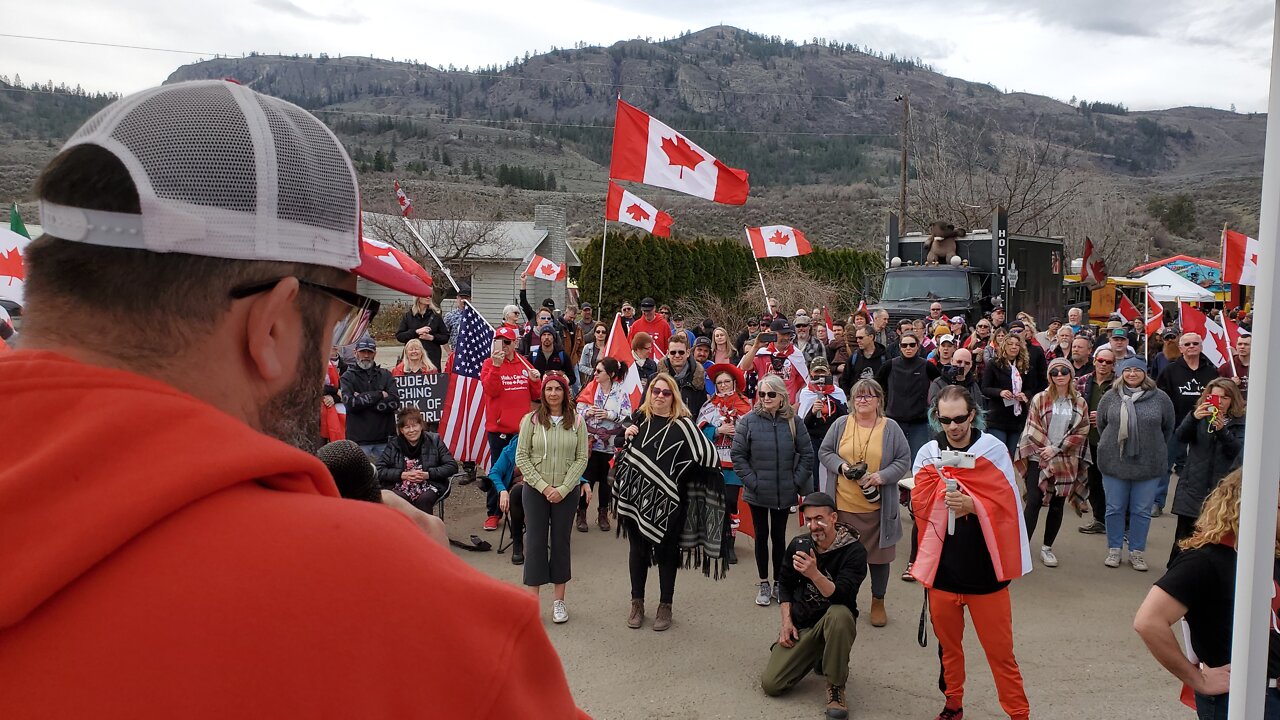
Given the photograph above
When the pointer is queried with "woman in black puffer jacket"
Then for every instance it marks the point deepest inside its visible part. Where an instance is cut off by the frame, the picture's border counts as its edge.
(1214, 440)
(416, 465)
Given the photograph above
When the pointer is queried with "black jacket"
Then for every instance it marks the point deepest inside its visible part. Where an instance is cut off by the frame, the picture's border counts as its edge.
(1000, 416)
(693, 387)
(1184, 385)
(371, 417)
(432, 455)
(1210, 456)
(860, 366)
(1037, 377)
(557, 360)
(844, 563)
(432, 320)
(906, 387)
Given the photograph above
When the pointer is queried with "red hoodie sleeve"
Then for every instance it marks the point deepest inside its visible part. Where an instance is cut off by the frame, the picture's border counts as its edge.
(491, 379)
(541, 684)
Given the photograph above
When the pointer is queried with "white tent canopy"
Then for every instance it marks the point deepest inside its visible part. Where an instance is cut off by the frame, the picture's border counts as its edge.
(1166, 285)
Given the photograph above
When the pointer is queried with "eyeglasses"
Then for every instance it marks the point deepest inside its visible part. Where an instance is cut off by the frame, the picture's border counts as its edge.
(660, 392)
(601, 331)
(769, 394)
(865, 398)
(908, 345)
(728, 383)
(1059, 372)
(984, 327)
(599, 370)
(349, 328)
(959, 419)
(677, 353)
(1190, 344)
(506, 341)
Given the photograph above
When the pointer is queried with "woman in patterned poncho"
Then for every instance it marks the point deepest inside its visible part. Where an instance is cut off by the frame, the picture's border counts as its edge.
(669, 498)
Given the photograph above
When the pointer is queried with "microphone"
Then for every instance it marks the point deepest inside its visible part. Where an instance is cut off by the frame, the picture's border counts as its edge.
(951, 514)
(351, 471)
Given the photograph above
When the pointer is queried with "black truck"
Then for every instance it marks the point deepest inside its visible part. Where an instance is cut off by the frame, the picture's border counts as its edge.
(1018, 272)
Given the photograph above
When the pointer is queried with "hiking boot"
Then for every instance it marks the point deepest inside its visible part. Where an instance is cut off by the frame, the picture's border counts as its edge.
(732, 555)
(1113, 557)
(468, 474)
(662, 618)
(1047, 557)
(517, 551)
(951, 714)
(636, 618)
(559, 614)
(1094, 528)
(582, 520)
(491, 523)
(765, 596)
(602, 519)
(1137, 560)
(879, 618)
(836, 707)
(906, 574)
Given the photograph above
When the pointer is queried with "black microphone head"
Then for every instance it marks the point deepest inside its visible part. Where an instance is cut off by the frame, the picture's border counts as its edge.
(351, 470)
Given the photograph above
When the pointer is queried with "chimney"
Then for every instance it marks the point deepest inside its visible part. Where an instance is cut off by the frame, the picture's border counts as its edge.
(554, 248)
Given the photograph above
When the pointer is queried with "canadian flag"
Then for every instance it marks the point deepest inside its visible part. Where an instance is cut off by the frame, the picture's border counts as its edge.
(1233, 330)
(1127, 309)
(862, 308)
(396, 258)
(646, 150)
(1155, 315)
(544, 269)
(1215, 346)
(406, 206)
(12, 270)
(1239, 258)
(1093, 270)
(622, 206)
(826, 318)
(777, 241)
(619, 348)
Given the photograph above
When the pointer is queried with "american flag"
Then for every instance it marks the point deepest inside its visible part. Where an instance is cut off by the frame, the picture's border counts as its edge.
(462, 423)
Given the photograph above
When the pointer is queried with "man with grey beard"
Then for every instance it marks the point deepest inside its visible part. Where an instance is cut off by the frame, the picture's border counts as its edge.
(372, 399)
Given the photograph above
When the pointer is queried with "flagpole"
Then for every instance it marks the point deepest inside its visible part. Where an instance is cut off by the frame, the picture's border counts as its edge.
(1256, 540)
(604, 243)
(759, 273)
(435, 257)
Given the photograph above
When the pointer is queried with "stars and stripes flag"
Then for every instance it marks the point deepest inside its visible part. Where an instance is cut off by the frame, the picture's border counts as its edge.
(465, 412)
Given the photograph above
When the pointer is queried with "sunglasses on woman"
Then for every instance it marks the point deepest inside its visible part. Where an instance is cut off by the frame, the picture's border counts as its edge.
(1059, 372)
(769, 394)
(660, 392)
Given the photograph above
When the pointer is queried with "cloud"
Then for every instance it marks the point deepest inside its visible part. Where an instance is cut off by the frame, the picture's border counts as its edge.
(288, 7)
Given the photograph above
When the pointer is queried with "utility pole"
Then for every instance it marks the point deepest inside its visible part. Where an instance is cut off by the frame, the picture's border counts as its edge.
(902, 141)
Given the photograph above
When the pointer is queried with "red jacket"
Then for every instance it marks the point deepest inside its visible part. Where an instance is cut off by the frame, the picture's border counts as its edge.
(160, 558)
(509, 393)
(659, 330)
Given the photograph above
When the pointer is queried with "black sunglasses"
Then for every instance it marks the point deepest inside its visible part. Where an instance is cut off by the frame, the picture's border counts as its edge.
(1059, 372)
(348, 329)
(942, 420)
(907, 345)
(769, 394)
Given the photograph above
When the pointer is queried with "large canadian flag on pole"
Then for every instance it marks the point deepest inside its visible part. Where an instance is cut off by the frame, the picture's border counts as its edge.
(544, 269)
(777, 241)
(1215, 346)
(645, 150)
(1239, 258)
(1093, 270)
(622, 206)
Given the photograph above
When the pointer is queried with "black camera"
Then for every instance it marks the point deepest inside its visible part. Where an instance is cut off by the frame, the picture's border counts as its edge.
(856, 471)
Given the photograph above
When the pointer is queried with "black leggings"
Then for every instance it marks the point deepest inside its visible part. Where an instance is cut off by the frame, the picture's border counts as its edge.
(597, 473)
(1031, 513)
(640, 558)
(761, 517)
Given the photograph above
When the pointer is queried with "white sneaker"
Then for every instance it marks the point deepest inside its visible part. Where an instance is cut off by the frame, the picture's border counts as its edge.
(1047, 557)
(766, 594)
(1137, 560)
(558, 613)
(1113, 557)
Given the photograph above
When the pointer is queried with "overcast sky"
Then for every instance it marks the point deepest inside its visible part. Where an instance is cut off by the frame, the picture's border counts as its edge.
(1146, 54)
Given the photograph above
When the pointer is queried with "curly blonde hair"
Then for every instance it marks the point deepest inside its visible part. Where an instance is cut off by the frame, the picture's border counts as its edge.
(1220, 516)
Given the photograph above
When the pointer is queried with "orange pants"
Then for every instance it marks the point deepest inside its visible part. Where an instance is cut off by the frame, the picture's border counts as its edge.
(993, 621)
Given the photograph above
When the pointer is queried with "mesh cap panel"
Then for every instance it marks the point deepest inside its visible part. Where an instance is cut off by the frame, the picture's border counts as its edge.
(224, 171)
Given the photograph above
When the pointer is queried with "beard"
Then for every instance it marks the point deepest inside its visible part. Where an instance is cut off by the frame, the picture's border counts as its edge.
(293, 414)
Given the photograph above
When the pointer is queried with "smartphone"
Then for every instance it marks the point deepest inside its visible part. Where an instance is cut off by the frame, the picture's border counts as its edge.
(767, 337)
(804, 545)
(497, 345)
(1214, 400)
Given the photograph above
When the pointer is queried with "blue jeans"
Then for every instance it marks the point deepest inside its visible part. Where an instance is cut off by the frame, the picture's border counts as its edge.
(1136, 496)
(373, 451)
(1214, 707)
(917, 433)
(1177, 459)
(1010, 440)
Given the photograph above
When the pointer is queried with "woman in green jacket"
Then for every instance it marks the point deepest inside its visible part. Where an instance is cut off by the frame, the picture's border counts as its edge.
(552, 454)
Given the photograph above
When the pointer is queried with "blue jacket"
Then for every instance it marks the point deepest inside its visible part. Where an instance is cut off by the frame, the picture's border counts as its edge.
(505, 467)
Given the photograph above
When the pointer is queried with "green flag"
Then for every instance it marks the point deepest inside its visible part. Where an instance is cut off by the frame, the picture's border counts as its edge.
(15, 222)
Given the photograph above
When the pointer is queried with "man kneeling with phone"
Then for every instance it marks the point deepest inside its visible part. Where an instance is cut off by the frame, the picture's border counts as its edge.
(819, 593)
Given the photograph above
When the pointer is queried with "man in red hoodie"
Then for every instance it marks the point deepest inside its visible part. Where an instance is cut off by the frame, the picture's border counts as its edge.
(651, 322)
(166, 549)
(510, 385)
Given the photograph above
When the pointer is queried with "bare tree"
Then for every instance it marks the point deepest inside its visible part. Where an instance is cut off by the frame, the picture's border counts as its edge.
(1121, 231)
(466, 230)
(965, 170)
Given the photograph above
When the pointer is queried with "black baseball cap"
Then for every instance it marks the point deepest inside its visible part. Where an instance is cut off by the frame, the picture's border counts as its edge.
(647, 303)
(818, 499)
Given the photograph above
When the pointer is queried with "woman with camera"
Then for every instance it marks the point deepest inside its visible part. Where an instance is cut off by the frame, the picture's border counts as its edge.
(862, 453)
(1214, 433)
(772, 455)
(1050, 454)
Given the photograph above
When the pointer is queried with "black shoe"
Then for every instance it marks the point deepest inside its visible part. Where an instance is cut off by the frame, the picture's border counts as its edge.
(517, 554)
(732, 557)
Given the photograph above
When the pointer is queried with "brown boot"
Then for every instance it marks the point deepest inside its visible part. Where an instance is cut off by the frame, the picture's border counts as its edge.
(582, 520)
(603, 519)
(662, 620)
(878, 616)
(636, 618)
(836, 707)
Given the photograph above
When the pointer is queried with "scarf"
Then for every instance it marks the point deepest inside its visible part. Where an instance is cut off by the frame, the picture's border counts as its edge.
(1066, 473)
(1128, 431)
(1015, 388)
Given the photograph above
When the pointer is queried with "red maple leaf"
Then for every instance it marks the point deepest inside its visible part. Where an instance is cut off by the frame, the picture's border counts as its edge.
(680, 152)
(548, 268)
(638, 213)
(778, 238)
(11, 265)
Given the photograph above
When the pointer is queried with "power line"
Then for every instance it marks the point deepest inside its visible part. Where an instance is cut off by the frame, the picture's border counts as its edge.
(104, 44)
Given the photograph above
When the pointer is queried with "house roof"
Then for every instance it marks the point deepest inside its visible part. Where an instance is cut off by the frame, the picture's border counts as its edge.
(503, 241)
(1176, 258)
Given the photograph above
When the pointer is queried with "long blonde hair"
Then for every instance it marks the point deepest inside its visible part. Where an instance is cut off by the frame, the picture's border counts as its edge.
(678, 408)
(1220, 515)
(426, 361)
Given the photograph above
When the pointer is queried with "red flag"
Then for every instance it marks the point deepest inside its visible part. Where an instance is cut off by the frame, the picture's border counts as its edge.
(619, 348)
(395, 263)
(1127, 309)
(544, 269)
(777, 241)
(406, 206)
(862, 308)
(645, 150)
(622, 206)
(1155, 315)
(1239, 258)
(1232, 329)
(831, 328)
(1093, 270)
(1215, 346)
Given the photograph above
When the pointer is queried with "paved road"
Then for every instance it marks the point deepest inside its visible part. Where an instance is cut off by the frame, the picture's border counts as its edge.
(1079, 656)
